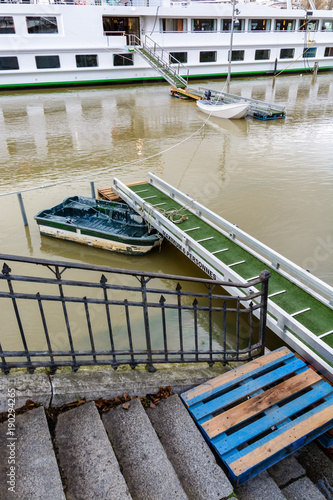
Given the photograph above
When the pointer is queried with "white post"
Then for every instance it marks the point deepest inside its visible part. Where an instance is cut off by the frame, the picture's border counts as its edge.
(231, 37)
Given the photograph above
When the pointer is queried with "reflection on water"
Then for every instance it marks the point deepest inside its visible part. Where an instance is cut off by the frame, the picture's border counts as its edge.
(273, 179)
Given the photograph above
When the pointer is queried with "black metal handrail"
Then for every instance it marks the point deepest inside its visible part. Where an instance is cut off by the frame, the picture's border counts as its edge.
(104, 325)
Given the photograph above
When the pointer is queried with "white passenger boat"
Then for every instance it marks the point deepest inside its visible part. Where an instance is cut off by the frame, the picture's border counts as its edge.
(71, 42)
(233, 110)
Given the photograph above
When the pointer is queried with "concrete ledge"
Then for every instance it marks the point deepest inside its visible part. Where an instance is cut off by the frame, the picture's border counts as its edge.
(68, 387)
(92, 383)
(36, 387)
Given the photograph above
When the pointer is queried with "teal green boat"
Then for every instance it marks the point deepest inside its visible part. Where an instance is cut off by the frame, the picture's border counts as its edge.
(103, 224)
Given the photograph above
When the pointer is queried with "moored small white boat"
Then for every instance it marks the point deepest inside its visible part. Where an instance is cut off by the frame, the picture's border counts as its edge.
(233, 110)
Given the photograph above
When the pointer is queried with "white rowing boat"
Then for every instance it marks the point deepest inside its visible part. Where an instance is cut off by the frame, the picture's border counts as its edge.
(233, 110)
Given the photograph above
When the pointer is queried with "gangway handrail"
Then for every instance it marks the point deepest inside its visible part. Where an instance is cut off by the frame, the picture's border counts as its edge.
(153, 49)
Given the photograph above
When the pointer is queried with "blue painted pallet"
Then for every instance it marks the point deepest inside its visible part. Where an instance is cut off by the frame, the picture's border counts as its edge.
(261, 412)
(326, 440)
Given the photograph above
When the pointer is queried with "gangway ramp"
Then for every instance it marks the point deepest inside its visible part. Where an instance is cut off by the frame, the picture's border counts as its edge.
(300, 306)
(163, 62)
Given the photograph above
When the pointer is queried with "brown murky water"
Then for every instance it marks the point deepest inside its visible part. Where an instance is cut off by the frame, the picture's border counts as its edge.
(273, 179)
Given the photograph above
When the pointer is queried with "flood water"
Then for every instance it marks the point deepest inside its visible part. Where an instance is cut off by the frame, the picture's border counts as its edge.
(273, 179)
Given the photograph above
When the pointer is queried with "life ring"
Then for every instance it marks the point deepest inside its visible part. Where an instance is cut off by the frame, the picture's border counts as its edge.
(80, 3)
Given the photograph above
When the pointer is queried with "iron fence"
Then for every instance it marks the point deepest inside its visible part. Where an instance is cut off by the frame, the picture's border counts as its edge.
(57, 314)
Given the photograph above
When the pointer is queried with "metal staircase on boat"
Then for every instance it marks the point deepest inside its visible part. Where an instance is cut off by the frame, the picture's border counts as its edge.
(160, 59)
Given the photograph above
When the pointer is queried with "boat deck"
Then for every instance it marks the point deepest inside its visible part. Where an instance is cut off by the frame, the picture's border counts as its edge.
(103, 225)
(100, 217)
(301, 316)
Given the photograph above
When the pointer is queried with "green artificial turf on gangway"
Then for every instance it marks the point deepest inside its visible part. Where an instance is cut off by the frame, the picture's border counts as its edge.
(316, 316)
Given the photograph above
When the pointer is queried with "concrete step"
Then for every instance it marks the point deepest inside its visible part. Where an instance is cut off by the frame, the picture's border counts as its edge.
(261, 487)
(142, 458)
(88, 464)
(201, 477)
(318, 466)
(302, 489)
(285, 480)
(35, 475)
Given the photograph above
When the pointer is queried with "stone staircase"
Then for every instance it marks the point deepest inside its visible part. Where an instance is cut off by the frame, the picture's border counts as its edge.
(130, 452)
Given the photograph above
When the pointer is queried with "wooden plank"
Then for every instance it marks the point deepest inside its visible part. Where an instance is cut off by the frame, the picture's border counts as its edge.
(259, 403)
(207, 389)
(283, 440)
(185, 93)
(227, 445)
(247, 389)
(107, 193)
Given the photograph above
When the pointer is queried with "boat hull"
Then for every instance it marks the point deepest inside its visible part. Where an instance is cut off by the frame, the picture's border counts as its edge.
(80, 33)
(97, 242)
(232, 111)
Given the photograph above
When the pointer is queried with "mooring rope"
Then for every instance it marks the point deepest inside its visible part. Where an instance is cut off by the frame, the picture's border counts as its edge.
(107, 169)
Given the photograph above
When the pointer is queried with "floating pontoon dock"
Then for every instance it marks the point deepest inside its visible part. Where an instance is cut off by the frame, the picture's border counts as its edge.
(258, 109)
(300, 306)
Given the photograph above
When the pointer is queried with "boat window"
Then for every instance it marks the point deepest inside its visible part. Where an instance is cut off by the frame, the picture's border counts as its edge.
(287, 53)
(7, 63)
(43, 62)
(42, 24)
(259, 24)
(173, 25)
(176, 57)
(308, 25)
(310, 52)
(208, 56)
(238, 24)
(86, 60)
(123, 59)
(120, 26)
(327, 26)
(262, 54)
(7, 25)
(203, 24)
(236, 55)
(328, 52)
(285, 24)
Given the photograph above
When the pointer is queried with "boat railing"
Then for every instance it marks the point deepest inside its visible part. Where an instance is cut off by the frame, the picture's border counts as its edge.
(114, 33)
(145, 3)
(56, 314)
(122, 3)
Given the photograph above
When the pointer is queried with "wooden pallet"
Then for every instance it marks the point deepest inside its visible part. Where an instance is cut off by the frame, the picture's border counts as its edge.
(261, 412)
(326, 439)
(107, 193)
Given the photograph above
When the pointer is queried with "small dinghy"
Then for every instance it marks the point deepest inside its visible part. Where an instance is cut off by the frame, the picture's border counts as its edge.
(233, 110)
(103, 224)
